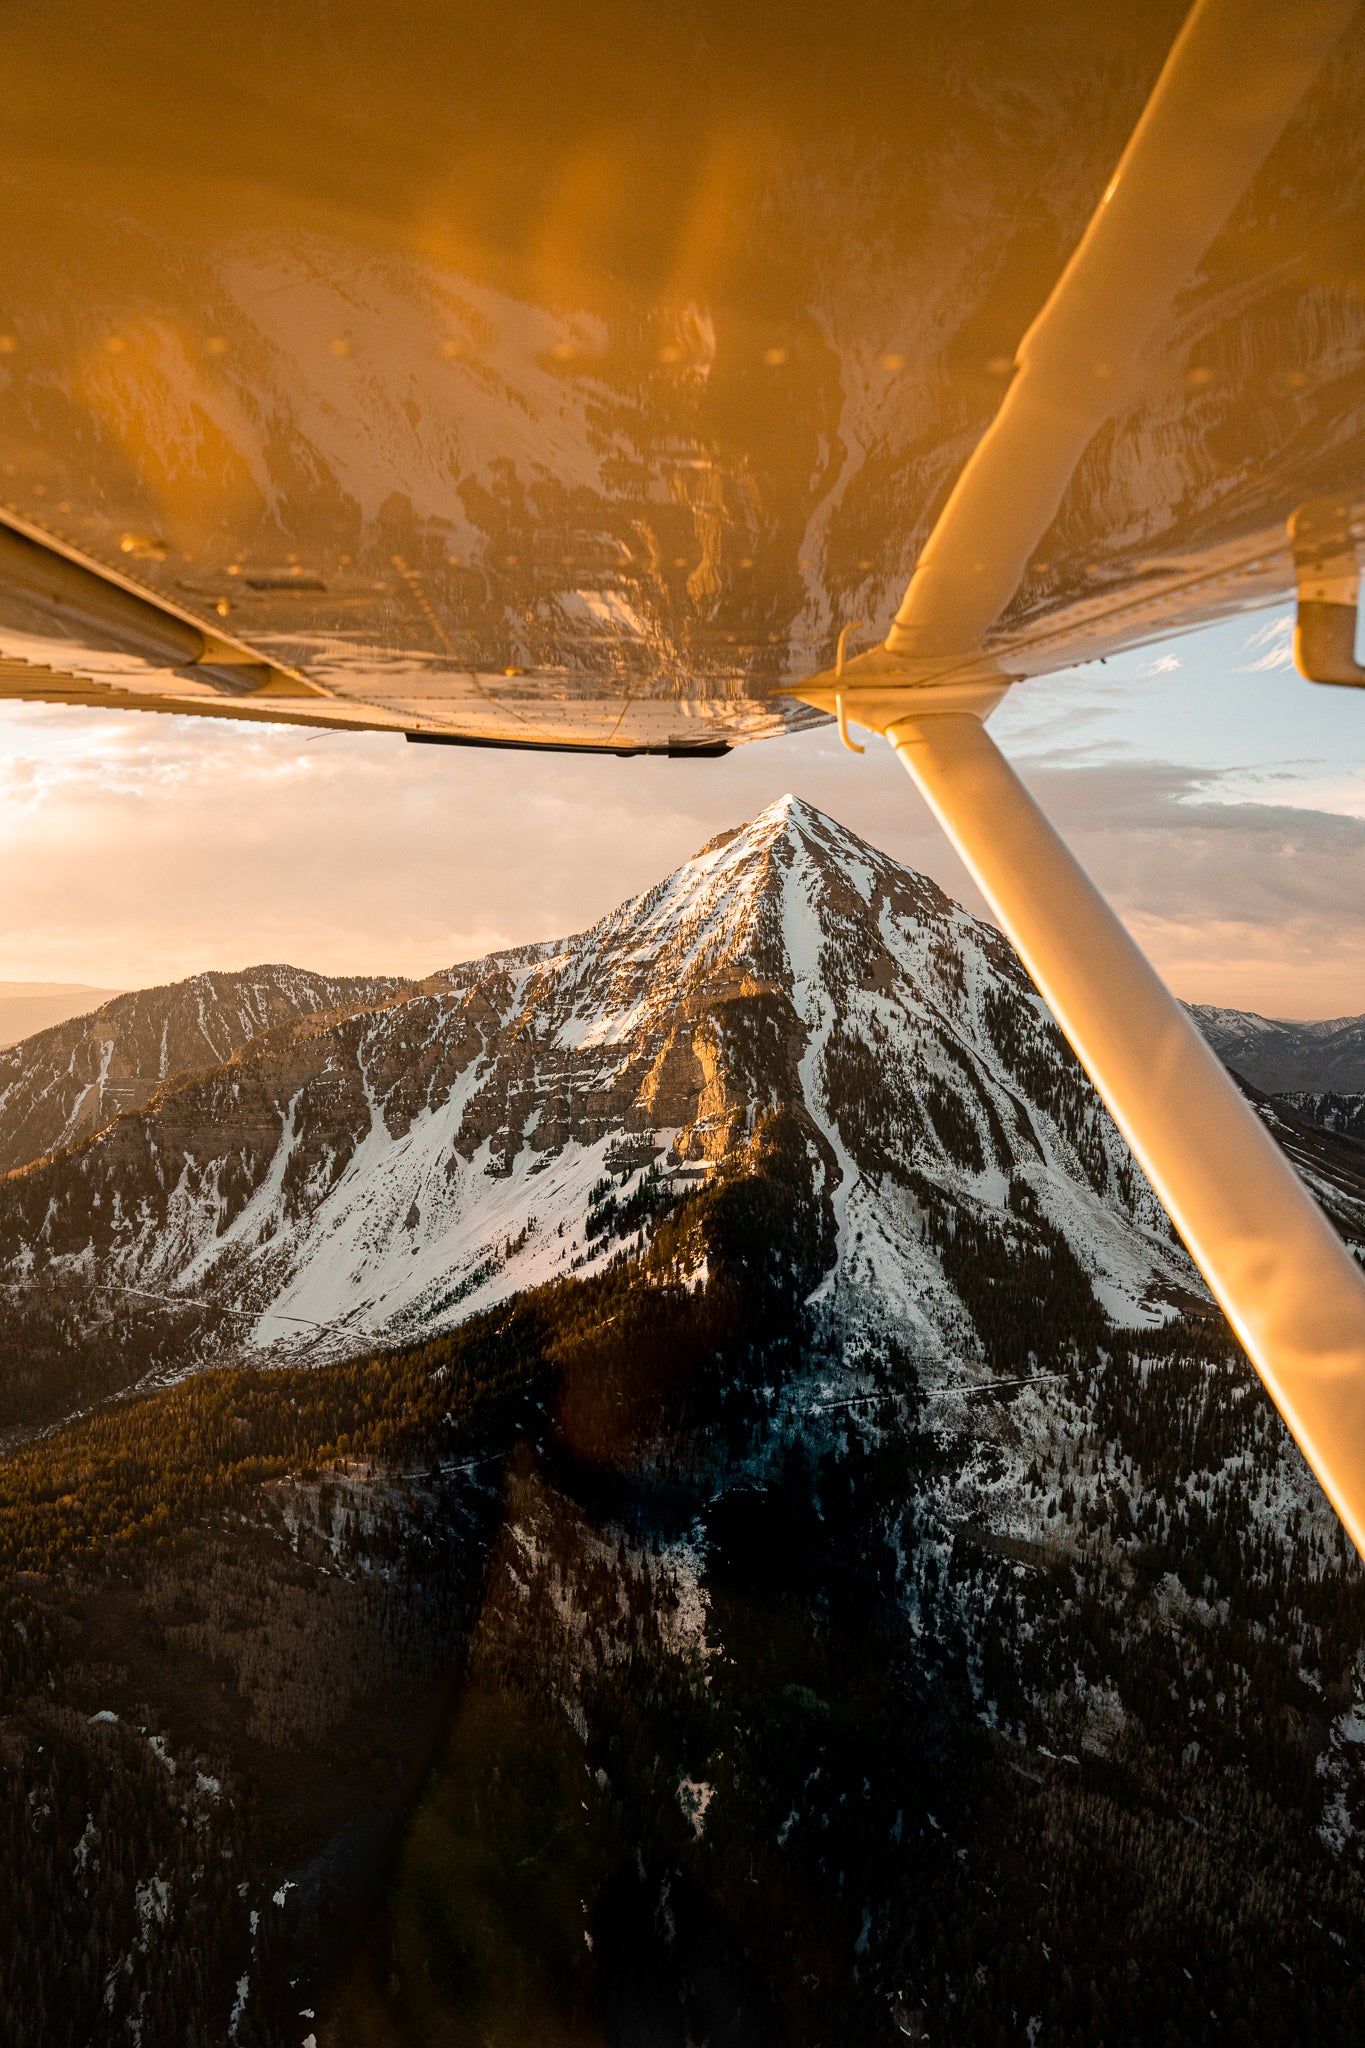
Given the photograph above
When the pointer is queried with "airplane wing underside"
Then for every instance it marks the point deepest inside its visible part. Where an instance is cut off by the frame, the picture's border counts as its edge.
(322, 681)
(413, 386)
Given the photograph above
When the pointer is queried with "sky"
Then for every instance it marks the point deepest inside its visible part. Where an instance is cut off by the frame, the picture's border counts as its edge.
(1217, 799)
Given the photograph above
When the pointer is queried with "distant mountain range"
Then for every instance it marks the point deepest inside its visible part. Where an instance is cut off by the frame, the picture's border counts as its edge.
(29, 1006)
(746, 1472)
(73, 1078)
(1283, 1057)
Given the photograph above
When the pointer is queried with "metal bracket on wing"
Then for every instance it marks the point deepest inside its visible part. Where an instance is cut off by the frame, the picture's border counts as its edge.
(96, 605)
(853, 626)
(1323, 534)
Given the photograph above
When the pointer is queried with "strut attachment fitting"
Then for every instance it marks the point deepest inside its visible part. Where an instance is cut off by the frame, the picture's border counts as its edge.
(853, 626)
(1322, 535)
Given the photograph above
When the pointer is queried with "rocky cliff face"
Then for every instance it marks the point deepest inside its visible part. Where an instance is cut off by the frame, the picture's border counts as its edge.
(373, 1172)
(59, 1085)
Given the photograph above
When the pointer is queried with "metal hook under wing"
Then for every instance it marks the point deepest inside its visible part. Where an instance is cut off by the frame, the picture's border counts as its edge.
(1328, 578)
(853, 626)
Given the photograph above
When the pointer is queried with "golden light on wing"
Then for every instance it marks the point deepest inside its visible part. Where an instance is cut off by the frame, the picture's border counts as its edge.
(180, 430)
(1235, 75)
(652, 403)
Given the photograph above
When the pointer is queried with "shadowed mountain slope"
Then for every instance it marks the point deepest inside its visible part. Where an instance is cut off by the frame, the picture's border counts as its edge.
(1330, 1111)
(838, 1580)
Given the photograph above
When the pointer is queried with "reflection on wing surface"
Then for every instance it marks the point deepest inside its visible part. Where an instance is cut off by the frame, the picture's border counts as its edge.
(579, 384)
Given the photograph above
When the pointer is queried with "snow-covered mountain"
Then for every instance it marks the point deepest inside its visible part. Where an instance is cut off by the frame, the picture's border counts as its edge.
(1328, 1109)
(842, 1548)
(1281, 1056)
(59, 1085)
(369, 1173)
(1332, 1166)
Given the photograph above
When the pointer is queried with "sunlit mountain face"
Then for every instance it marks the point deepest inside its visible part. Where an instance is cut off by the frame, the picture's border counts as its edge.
(479, 365)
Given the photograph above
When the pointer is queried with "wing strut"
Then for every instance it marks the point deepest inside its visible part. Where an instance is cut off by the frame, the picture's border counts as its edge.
(1287, 1284)
(1285, 1281)
(1234, 76)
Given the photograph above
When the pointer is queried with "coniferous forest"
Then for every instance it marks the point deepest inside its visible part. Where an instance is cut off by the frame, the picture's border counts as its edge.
(637, 1664)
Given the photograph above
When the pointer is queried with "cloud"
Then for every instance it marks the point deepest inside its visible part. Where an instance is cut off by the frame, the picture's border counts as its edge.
(1272, 644)
(136, 850)
(139, 849)
(1251, 903)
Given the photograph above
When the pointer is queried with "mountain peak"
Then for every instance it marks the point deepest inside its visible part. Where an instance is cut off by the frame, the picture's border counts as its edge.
(793, 814)
(788, 808)
(796, 825)
(527, 1116)
(789, 814)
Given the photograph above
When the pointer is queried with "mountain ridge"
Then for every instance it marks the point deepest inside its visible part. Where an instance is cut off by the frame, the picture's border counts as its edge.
(1281, 1056)
(370, 1171)
(372, 1156)
(68, 1080)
